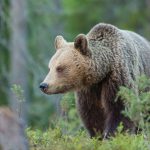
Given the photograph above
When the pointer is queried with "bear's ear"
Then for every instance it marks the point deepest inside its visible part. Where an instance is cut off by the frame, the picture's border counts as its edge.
(81, 44)
(59, 42)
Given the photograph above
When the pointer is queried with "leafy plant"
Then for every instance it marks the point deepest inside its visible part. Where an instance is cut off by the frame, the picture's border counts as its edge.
(19, 94)
(69, 120)
(138, 103)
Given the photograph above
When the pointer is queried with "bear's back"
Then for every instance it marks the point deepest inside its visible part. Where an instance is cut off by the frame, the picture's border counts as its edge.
(142, 47)
(106, 34)
(132, 44)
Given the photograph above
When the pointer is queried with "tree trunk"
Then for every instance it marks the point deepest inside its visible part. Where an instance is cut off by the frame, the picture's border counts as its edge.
(18, 51)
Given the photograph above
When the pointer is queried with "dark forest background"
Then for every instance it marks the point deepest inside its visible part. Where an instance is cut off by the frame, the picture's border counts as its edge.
(27, 32)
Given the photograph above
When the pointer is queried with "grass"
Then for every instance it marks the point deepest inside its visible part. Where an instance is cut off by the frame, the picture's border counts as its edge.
(54, 139)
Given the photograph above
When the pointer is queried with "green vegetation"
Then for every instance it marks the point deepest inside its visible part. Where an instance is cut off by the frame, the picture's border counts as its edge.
(138, 104)
(19, 93)
(56, 140)
(69, 120)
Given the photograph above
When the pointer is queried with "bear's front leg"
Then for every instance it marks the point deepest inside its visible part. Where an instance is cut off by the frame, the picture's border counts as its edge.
(93, 119)
(91, 111)
(112, 121)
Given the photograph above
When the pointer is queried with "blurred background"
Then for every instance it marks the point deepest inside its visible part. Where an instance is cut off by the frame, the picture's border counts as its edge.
(27, 32)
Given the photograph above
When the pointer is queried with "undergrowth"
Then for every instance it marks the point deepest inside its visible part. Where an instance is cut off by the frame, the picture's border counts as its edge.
(54, 139)
(67, 133)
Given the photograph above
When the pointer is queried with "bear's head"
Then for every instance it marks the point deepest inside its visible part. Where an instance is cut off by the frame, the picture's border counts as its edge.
(69, 68)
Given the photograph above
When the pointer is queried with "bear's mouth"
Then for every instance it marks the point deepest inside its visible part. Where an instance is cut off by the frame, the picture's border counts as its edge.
(58, 90)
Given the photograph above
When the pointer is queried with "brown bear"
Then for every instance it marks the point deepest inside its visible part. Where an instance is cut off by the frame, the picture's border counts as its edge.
(95, 66)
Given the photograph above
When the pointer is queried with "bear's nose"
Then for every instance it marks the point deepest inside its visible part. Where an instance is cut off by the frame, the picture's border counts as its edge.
(43, 86)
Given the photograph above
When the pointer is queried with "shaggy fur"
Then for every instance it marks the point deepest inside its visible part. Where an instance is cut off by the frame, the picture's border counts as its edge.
(95, 66)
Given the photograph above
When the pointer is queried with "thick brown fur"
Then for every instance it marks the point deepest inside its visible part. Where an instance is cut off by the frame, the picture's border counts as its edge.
(95, 66)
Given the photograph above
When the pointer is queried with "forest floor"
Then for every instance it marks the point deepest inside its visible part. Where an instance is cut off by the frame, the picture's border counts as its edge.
(54, 139)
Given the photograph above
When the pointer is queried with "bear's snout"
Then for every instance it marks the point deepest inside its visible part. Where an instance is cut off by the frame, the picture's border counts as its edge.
(43, 87)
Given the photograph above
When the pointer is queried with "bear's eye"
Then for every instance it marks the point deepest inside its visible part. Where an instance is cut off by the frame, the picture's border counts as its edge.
(59, 69)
